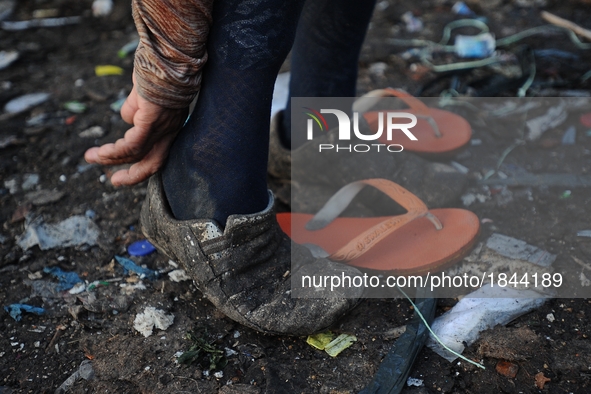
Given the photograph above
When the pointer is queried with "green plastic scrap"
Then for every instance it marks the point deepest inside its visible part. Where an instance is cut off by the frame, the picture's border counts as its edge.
(319, 341)
(339, 344)
(75, 107)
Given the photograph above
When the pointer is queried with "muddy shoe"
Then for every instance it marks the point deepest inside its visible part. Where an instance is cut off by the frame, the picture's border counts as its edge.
(246, 270)
(436, 183)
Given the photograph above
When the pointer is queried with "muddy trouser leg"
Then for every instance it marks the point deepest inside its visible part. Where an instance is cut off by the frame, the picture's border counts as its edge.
(325, 53)
(217, 165)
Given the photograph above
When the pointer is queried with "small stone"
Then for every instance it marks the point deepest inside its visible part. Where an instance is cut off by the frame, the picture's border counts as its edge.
(550, 317)
(92, 132)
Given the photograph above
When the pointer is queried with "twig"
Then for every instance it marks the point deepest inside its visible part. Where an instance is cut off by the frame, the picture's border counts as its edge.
(558, 21)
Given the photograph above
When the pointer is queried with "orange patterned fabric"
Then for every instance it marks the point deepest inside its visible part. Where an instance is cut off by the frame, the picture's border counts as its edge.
(172, 49)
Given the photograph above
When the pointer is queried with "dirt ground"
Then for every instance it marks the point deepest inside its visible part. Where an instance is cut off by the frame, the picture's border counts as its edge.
(38, 353)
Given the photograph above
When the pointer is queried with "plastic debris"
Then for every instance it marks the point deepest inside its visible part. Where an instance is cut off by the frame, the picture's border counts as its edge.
(516, 249)
(585, 282)
(584, 233)
(7, 58)
(85, 372)
(15, 310)
(92, 132)
(553, 118)
(413, 24)
(116, 105)
(570, 136)
(102, 7)
(414, 382)
(141, 248)
(178, 276)
(152, 318)
(46, 22)
(44, 197)
(67, 279)
(460, 8)
(340, 343)
(566, 194)
(8, 141)
(46, 13)
(75, 106)
(586, 119)
(128, 48)
(550, 317)
(483, 309)
(478, 46)
(6, 8)
(131, 266)
(74, 231)
(30, 181)
(25, 102)
(320, 340)
(104, 70)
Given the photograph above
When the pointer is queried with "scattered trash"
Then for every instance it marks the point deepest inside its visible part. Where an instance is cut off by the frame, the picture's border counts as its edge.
(413, 24)
(460, 8)
(584, 233)
(6, 8)
(104, 70)
(471, 198)
(483, 309)
(15, 310)
(586, 119)
(128, 48)
(44, 197)
(332, 346)
(516, 249)
(46, 13)
(116, 105)
(570, 136)
(340, 343)
(414, 382)
(30, 181)
(203, 352)
(394, 332)
(78, 288)
(152, 318)
(102, 7)
(7, 58)
(566, 194)
(25, 102)
(74, 231)
(541, 380)
(320, 340)
(550, 317)
(478, 46)
(75, 106)
(142, 272)
(141, 248)
(378, 69)
(67, 279)
(46, 22)
(507, 368)
(585, 282)
(85, 372)
(553, 118)
(9, 141)
(178, 275)
(92, 132)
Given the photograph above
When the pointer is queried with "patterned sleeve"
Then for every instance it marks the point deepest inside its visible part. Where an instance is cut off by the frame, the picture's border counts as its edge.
(172, 50)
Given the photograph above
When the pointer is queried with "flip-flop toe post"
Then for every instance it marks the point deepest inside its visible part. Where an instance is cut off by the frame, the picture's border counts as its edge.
(439, 133)
(415, 243)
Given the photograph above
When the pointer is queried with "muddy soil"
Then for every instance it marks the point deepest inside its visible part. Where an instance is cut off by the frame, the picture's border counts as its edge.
(38, 353)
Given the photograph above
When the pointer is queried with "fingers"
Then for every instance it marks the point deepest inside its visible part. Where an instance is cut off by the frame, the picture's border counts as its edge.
(145, 168)
(130, 107)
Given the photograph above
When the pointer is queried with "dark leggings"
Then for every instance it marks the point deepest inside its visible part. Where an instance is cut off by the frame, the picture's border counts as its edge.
(217, 165)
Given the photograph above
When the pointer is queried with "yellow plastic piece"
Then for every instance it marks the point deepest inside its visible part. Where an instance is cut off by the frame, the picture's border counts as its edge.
(103, 70)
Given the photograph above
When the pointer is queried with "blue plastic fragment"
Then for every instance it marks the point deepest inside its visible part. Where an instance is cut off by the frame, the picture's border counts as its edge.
(15, 310)
(141, 248)
(131, 266)
(67, 279)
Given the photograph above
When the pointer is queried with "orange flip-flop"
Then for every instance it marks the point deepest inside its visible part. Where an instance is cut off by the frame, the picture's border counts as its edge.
(439, 133)
(417, 242)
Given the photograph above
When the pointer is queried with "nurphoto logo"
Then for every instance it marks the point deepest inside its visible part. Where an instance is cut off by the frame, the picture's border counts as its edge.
(392, 120)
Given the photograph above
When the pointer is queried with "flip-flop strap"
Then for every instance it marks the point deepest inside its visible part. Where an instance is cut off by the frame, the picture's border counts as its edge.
(365, 102)
(369, 238)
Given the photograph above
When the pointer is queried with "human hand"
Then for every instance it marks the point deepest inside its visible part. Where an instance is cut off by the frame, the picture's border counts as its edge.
(145, 144)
